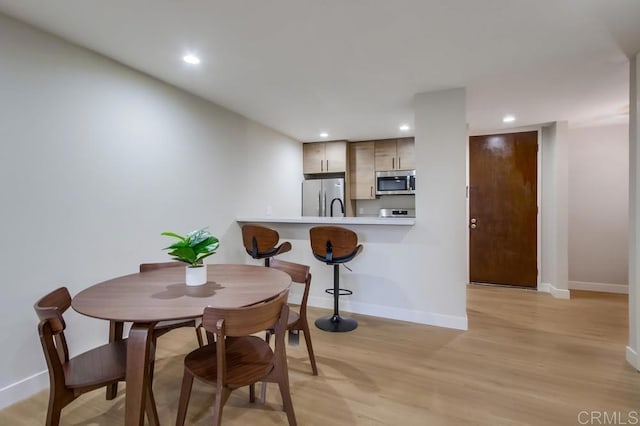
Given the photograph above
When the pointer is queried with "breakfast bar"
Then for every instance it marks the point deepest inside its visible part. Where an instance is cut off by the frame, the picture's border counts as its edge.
(382, 277)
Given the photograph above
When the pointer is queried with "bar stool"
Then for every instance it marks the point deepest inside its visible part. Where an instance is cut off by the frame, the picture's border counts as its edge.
(260, 242)
(335, 245)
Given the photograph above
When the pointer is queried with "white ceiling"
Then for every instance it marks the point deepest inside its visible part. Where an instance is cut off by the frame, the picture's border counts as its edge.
(352, 67)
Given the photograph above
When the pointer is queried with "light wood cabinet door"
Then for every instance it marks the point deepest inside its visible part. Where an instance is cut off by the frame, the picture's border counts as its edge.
(335, 154)
(395, 154)
(385, 155)
(313, 158)
(324, 157)
(406, 154)
(362, 170)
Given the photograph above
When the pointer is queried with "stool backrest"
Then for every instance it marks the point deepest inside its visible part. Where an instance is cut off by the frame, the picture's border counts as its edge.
(333, 242)
(259, 239)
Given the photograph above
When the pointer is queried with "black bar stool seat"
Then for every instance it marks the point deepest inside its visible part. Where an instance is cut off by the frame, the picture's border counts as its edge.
(334, 246)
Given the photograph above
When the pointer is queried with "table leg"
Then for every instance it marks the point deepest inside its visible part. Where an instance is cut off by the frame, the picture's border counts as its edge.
(138, 352)
(115, 334)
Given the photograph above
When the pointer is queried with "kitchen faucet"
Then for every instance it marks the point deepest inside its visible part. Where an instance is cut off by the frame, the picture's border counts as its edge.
(341, 205)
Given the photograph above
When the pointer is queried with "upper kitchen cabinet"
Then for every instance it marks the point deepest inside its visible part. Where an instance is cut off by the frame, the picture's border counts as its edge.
(362, 170)
(395, 154)
(324, 157)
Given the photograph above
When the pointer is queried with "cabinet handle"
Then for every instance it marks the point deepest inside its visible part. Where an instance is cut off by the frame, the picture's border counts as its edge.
(321, 166)
(399, 166)
(327, 165)
(372, 192)
(393, 163)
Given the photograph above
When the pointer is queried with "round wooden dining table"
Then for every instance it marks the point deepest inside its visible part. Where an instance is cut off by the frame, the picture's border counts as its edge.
(161, 295)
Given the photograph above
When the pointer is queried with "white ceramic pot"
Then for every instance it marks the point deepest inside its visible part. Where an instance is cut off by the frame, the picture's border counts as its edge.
(197, 275)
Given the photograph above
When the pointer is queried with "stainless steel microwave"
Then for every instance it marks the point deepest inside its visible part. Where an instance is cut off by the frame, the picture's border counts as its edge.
(396, 182)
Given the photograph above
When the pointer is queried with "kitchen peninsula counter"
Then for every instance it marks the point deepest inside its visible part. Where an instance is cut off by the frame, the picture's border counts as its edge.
(362, 220)
(387, 278)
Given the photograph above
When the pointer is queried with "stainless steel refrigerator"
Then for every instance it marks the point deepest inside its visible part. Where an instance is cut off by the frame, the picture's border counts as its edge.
(321, 197)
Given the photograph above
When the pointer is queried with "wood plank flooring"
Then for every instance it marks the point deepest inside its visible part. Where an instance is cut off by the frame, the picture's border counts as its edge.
(526, 359)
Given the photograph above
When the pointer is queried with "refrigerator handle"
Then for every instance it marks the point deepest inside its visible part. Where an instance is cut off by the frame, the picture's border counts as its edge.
(324, 204)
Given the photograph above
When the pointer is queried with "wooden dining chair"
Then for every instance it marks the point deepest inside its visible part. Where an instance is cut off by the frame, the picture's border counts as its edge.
(71, 377)
(297, 321)
(261, 242)
(237, 359)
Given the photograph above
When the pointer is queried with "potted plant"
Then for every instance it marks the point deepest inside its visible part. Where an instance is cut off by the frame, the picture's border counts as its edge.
(192, 249)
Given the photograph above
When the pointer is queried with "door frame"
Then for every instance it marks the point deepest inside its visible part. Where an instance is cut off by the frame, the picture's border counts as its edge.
(538, 194)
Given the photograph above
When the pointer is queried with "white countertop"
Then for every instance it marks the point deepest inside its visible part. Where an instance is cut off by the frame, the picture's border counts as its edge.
(407, 221)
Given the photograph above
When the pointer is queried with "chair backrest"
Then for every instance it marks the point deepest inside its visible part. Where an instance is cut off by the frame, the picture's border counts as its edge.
(51, 327)
(333, 243)
(148, 267)
(246, 320)
(299, 274)
(259, 239)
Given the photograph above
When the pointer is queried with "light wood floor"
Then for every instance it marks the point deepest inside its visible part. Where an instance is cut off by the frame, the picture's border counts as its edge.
(526, 359)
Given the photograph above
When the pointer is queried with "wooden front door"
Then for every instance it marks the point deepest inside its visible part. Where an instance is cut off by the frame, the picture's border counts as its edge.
(503, 209)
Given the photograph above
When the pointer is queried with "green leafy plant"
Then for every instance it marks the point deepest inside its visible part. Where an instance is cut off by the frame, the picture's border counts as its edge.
(192, 248)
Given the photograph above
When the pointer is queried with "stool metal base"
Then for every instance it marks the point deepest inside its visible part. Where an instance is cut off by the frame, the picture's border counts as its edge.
(336, 324)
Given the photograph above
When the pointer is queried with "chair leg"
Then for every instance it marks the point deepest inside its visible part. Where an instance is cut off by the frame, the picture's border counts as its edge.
(115, 334)
(53, 413)
(263, 390)
(185, 394)
(150, 401)
(285, 393)
(221, 397)
(150, 407)
(307, 339)
(199, 336)
(263, 393)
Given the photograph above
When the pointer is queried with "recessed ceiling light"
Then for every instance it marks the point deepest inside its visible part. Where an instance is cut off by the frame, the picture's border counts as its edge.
(191, 59)
(508, 119)
(404, 127)
(324, 135)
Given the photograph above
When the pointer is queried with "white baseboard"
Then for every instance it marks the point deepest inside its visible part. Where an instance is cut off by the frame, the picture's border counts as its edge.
(23, 389)
(602, 287)
(558, 293)
(420, 317)
(632, 358)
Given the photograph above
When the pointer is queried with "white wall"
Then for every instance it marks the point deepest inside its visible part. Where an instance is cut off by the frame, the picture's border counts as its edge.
(441, 224)
(554, 210)
(95, 161)
(598, 207)
(633, 350)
